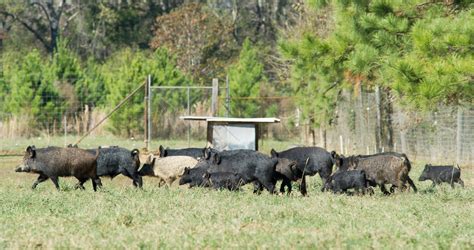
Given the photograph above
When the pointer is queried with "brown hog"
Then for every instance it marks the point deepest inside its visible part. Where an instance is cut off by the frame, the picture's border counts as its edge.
(380, 169)
(53, 162)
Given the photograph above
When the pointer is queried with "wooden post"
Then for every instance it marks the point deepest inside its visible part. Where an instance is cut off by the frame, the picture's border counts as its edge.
(360, 118)
(215, 95)
(459, 136)
(227, 96)
(147, 113)
(378, 126)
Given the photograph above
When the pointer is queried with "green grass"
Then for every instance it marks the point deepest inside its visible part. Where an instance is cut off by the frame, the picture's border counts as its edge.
(120, 216)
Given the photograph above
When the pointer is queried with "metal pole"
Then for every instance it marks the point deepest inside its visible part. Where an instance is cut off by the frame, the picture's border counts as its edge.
(65, 130)
(215, 95)
(459, 136)
(189, 122)
(145, 116)
(227, 96)
(149, 111)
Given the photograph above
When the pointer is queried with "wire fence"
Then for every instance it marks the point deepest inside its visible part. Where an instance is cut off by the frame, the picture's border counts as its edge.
(444, 136)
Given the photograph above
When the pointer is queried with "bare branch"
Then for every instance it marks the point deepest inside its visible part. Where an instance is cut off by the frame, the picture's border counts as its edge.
(28, 27)
(44, 10)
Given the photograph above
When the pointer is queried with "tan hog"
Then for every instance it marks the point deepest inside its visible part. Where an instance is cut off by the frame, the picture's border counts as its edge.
(167, 169)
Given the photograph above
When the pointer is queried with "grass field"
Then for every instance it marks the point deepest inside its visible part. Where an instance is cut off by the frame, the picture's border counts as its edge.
(119, 216)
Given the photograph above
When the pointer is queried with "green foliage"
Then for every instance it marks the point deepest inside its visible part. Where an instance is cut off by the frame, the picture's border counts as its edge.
(125, 72)
(245, 78)
(439, 68)
(315, 74)
(28, 92)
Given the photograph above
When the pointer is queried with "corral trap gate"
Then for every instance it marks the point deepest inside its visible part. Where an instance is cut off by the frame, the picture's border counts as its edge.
(149, 88)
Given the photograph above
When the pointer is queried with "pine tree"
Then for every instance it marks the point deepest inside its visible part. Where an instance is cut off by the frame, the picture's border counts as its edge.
(245, 78)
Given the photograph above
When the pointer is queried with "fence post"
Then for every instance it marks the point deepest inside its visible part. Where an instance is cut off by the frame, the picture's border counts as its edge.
(65, 130)
(147, 114)
(459, 135)
(360, 118)
(227, 96)
(145, 117)
(189, 122)
(378, 124)
(215, 95)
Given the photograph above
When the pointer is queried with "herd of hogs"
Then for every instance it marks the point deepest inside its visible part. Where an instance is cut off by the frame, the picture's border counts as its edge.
(198, 167)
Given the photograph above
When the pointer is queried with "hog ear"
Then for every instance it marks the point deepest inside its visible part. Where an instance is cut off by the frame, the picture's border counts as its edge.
(186, 170)
(207, 153)
(162, 151)
(153, 162)
(274, 153)
(31, 150)
(333, 154)
(135, 154)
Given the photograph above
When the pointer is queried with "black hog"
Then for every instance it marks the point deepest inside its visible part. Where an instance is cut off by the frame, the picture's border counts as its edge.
(343, 180)
(115, 160)
(320, 161)
(440, 174)
(223, 180)
(194, 176)
(251, 165)
(54, 162)
(196, 153)
(380, 169)
(287, 172)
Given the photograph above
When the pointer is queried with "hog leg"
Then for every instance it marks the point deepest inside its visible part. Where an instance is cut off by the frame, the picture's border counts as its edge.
(384, 190)
(460, 182)
(285, 182)
(412, 184)
(136, 178)
(257, 187)
(55, 180)
(40, 179)
(269, 186)
(303, 188)
(80, 184)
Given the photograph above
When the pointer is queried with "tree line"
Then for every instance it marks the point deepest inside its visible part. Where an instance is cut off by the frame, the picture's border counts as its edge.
(58, 56)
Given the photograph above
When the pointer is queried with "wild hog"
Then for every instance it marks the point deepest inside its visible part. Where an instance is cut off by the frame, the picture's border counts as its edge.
(380, 169)
(440, 174)
(287, 172)
(115, 160)
(223, 180)
(320, 161)
(192, 152)
(343, 180)
(195, 176)
(253, 166)
(53, 162)
(167, 169)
